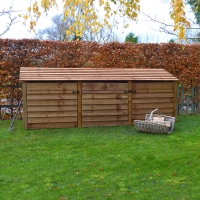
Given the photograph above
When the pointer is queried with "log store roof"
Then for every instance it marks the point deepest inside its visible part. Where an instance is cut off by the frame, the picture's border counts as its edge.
(96, 74)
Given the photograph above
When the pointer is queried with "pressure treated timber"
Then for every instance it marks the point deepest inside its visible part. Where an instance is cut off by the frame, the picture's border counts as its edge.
(84, 97)
(89, 74)
(25, 116)
(102, 107)
(79, 99)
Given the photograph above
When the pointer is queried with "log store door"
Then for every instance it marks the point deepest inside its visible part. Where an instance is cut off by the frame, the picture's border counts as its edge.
(52, 104)
(104, 103)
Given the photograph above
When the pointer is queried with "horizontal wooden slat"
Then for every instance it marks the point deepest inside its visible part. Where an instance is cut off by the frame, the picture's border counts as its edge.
(105, 118)
(56, 74)
(52, 125)
(56, 92)
(52, 96)
(51, 119)
(114, 123)
(149, 110)
(100, 86)
(152, 95)
(154, 91)
(104, 112)
(52, 114)
(152, 100)
(49, 102)
(103, 92)
(51, 86)
(51, 108)
(104, 96)
(104, 107)
(104, 101)
(153, 105)
(153, 85)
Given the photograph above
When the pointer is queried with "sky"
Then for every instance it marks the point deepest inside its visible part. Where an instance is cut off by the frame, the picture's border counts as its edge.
(144, 28)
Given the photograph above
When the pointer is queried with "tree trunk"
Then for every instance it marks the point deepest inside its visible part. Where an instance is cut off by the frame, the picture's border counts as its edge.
(198, 101)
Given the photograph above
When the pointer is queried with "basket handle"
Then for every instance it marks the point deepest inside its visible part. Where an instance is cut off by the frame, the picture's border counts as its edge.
(151, 115)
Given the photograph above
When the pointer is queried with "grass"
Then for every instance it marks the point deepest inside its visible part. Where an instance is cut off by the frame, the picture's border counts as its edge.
(100, 163)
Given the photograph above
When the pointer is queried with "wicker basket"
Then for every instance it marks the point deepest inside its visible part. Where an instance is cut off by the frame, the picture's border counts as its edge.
(155, 123)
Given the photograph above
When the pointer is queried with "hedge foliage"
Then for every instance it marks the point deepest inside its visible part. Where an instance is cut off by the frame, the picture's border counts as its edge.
(183, 61)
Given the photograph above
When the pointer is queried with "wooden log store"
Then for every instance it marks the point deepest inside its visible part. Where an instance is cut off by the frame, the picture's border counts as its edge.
(84, 97)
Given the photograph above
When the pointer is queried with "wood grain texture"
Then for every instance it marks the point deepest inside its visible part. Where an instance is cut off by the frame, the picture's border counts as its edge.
(25, 115)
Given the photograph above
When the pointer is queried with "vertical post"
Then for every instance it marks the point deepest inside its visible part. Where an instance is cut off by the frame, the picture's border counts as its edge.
(175, 98)
(192, 100)
(130, 103)
(79, 101)
(182, 101)
(25, 118)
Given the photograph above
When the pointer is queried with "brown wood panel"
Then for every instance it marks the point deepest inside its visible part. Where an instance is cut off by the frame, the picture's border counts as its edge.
(104, 96)
(52, 114)
(105, 118)
(130, 87)
(51, 119)
(51, 86)
(24, 89)
(79, 104)
(102, 86)
(154, 91)
(114, 123)
(52, 125)
(40, 92)
(105, 112)
(51, 108)
(104, 101)
(153, 105)
(49, 102)
(103, 92)
(105, 107)
(52, 96)
(148, 110)
(152, 95)
(175, 98)
(153, 85)
(153, 100)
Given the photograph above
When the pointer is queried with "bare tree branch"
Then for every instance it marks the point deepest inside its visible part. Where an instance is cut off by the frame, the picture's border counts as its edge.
(12, 19)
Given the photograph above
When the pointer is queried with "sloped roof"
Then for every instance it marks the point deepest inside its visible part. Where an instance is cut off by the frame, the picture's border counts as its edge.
(96, 74)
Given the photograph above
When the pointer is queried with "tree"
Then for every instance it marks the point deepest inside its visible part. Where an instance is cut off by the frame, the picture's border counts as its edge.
(9, 16)
(126, 9)
(131, 38)
(57, 31)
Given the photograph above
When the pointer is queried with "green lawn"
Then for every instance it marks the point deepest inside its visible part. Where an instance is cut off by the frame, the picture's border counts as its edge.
(115, 163)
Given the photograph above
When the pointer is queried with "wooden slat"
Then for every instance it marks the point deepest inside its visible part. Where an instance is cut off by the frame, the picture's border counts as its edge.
(50, 102)
(52, 125)
(70, 74)
(104, 96)
(52, 108)
(152, 95)
(153, 105)
(114, 123)
(24, 88)
(102, 86)
(175, 98)
(153, 100)
(47, 92)
(105, 112)
(105, 118)
(153, 85)
(52, 114)
(105, 107)
(52, 86)
(130, 87)
(79, 104)
(51, 119)
(104, 101)
(52, 96)
(103, 92)
(148, 110)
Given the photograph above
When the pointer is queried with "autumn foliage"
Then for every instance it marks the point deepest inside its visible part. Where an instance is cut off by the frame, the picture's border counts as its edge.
(183, 61)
